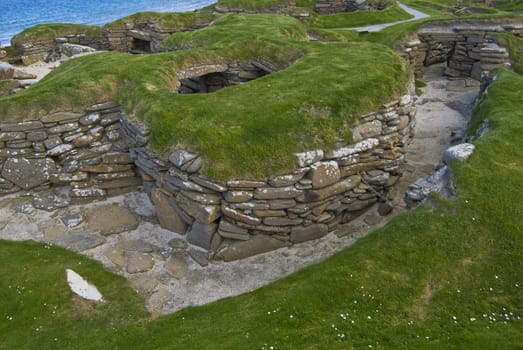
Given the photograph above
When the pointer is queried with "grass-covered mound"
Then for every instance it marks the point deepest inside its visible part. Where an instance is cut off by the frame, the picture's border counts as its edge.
(46, 32)
(447, 277)
(254, 5)
(392, 13)
(176, 21)
(251, 130)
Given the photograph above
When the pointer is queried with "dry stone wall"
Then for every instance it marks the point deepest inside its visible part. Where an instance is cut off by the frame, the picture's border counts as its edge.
(140, 35)
(83, 151)
(469, 49)
(244, 217)
(45, 50)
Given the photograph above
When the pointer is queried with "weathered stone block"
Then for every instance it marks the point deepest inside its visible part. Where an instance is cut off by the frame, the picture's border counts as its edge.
(239, 216)
(324, 174)
(364, 131)
(238, 196)
(235, 250)
(106, 168)
(117, 158)
(281, 221)
(201, 234)
(203, 213)
(180, 157)
(203, 198)
(167, 216)
(60, 117)
(277, 193)
(245, 184)
(27, 173)
(307, 158)
(326, 192)
(303, 234)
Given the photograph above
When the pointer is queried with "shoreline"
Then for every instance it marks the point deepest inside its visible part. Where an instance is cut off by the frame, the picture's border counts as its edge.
(75, 17)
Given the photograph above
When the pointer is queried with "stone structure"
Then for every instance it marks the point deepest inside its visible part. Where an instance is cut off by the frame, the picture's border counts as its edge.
(213, 77)
(327, 7)
(50, 49)
(470, 49)
(244, 217)
(142, 35)
(99, 153)
(84, 151)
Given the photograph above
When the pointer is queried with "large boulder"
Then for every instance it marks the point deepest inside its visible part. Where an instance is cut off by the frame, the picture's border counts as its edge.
(459, 153)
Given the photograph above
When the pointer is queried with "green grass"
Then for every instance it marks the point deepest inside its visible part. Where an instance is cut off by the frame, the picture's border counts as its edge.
(361, 18)
(172, 20)
(253, 5)
(46, 32)
(424, 281)
(248, 131)
(38, 310)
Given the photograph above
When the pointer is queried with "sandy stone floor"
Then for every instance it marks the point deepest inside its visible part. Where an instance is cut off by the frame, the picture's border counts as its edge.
(124, 235)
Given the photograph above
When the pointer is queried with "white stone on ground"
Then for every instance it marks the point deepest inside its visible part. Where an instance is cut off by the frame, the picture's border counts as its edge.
(81, 287)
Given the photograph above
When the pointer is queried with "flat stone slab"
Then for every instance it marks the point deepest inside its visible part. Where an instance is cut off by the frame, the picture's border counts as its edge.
(79, 242)
(139, 262)
(27, 173)
(177, 265)
(111, 219)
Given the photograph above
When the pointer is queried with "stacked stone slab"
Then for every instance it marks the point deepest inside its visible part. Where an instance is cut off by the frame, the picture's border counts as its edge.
(469, 50)
(212, 77)
(84, 151)
(36, 51)
(327, 7)
(245, 217)
(140, 35)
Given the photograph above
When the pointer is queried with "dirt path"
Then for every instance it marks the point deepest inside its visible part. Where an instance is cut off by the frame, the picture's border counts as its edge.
(443, 113)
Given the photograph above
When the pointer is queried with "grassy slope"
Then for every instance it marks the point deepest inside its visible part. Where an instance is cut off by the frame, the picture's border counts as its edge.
(256, 5)
(361, 18)
(42, 32)
(38, 310)
(171, 20)
(244, 131)
(426, 280)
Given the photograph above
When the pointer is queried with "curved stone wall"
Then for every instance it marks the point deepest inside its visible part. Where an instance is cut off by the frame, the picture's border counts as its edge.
(99, 153)
(244, 217)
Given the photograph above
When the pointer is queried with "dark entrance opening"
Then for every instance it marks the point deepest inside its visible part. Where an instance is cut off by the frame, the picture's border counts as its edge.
(141, 46)
(215, 81)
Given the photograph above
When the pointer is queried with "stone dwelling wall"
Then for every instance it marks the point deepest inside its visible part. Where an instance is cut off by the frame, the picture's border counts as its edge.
(327, 7)
(36, 51)
(470, 49)
(98, 153)
(83, 151)
(241, 217)
(139, 36)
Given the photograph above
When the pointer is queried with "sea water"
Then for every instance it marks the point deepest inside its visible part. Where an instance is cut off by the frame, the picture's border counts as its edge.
(16, 15)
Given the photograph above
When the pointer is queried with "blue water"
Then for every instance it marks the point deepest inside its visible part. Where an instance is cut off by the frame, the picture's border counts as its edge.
(16, 15)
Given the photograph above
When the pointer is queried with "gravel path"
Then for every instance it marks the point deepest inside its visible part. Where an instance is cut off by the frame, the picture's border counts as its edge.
(377, 27)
